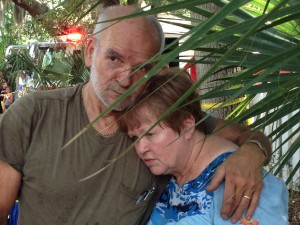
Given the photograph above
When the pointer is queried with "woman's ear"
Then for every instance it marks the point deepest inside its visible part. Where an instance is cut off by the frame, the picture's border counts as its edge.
(188, 127)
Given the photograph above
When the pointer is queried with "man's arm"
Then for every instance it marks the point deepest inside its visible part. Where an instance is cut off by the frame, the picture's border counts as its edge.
(241, 135)
(10, 181)
(241, 171)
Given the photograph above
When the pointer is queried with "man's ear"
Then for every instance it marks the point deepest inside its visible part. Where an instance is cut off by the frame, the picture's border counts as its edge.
(89, 50)
(188, 127)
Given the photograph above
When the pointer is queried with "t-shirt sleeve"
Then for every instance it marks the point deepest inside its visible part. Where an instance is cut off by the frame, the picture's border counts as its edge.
(272, 207)
(210, 123)
(15, 131)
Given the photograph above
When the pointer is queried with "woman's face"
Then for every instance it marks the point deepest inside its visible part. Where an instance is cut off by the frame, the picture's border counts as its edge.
(162, 149)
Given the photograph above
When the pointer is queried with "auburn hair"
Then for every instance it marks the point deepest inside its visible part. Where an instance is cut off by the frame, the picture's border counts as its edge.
(157, 95)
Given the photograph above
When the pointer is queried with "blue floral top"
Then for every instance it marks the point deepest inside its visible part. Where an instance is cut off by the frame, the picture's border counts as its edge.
(190, 199)
(190, 204)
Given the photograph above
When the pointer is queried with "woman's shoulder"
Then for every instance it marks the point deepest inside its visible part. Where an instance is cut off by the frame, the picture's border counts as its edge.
(220, 145)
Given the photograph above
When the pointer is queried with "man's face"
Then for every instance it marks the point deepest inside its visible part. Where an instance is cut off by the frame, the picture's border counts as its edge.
(115, 56)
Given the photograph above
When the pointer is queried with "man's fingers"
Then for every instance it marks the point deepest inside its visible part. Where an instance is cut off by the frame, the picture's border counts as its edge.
(246, 202)
(253, 205)
(241, 207)
(238, 183)
(235, 200)
(228, 200)
(217, 179)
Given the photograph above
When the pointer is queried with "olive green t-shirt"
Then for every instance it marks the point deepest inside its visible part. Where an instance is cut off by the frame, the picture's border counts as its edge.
(32, 135)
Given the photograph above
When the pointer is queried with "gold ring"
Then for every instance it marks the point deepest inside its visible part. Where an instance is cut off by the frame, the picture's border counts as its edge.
(245, 196)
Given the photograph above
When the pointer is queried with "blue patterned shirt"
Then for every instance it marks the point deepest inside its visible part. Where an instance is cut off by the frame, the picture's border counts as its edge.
(190, 204)
(183, 202)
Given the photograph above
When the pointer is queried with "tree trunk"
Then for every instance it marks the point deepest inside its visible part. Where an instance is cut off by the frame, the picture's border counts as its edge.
(133, 2)
(213, 80)
(33, 7)
(108, 3)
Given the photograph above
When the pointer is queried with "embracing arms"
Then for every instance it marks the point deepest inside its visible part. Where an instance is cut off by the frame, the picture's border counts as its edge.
(241, 171)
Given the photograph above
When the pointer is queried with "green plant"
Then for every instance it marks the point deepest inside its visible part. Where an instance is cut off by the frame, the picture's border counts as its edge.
(261, 38)
(60, 71)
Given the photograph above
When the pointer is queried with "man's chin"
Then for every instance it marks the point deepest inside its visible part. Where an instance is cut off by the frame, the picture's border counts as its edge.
(121, 107)
(124, 104)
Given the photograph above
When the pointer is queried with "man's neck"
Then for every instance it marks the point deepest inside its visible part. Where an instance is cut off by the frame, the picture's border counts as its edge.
(106, 125)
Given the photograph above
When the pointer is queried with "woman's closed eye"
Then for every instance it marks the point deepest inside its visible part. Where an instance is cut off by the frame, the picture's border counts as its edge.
(133, 137)
(148, 134)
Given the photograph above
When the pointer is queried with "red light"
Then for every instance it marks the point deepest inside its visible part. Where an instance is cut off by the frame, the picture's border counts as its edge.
(74, 37)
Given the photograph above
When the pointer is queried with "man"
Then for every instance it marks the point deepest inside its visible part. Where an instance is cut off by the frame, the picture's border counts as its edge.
(49, 179)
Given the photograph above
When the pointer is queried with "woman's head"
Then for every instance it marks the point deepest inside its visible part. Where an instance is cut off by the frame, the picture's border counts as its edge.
(166, 147)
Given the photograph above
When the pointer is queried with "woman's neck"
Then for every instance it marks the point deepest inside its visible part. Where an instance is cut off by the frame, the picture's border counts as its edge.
(212, 147)
(194, 165)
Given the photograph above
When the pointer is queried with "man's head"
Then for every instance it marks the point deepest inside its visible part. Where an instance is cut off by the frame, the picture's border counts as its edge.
(117, 49)
(114, 12)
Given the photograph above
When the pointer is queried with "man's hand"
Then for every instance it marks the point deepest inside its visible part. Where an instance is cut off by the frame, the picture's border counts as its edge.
(243, 176)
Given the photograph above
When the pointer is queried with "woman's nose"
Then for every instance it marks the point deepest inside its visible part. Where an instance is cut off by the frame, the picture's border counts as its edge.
(141, 146)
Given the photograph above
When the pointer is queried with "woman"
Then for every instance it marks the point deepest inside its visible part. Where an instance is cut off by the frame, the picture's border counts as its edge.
(178, 146)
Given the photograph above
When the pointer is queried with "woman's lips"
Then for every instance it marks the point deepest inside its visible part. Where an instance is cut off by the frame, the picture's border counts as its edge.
(148, 162)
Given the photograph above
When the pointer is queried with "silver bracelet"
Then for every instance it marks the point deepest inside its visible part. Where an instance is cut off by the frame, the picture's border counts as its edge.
(261, 147)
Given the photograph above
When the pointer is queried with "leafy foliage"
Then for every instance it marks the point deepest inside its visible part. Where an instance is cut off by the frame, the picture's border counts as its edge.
(259, 37)
(58, 71)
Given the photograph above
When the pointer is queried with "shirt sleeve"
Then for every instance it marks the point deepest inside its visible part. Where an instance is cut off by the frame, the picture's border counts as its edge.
(209, 123)
(15, 131)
